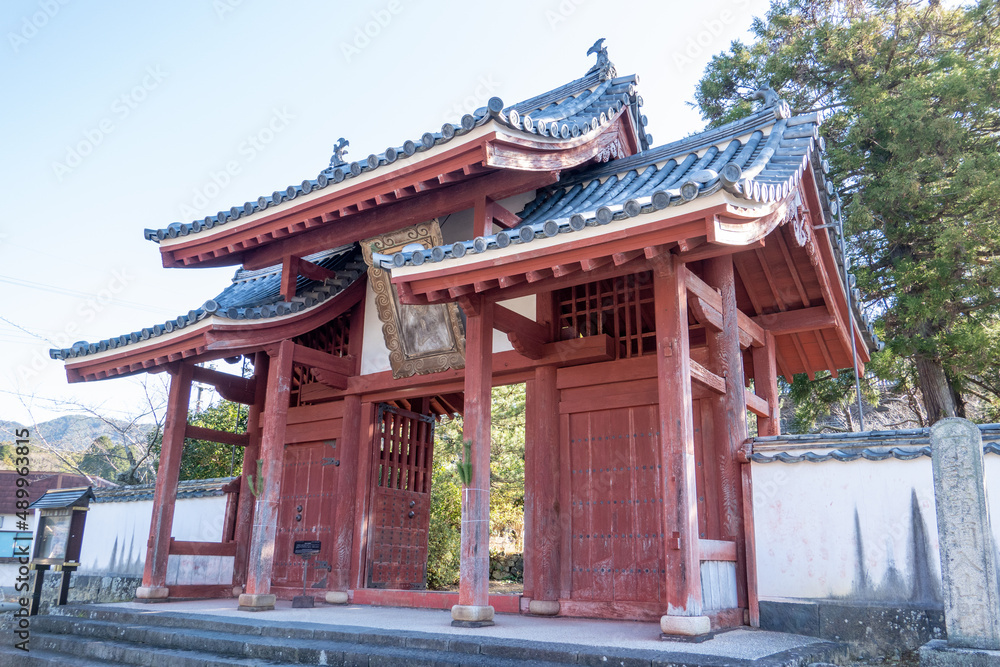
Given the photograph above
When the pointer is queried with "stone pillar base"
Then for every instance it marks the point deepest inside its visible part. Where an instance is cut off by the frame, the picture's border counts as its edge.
(544, 607)
(151, 594)
(685, 626)
(937, 653)
(337, 597)
(256, 602)
(471, 616)
(237, 591)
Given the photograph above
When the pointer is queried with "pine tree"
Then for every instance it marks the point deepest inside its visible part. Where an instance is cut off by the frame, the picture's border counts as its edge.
(913, 89)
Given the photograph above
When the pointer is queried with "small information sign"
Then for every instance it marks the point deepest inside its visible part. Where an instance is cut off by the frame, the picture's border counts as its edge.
(306, 547)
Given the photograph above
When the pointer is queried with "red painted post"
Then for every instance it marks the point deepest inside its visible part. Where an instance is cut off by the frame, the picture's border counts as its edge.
(680, 500)
(363, 494)
(474, 575)
(244, 510)
(731, 420)
(265, 525)
(765, 383)
(154, 575)
(543, 533)
(350, 448)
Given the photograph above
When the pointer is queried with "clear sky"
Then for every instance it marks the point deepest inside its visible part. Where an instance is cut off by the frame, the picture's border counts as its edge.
(117, 116)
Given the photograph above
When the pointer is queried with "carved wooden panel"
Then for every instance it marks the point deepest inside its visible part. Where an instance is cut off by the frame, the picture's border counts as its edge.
(420, 339)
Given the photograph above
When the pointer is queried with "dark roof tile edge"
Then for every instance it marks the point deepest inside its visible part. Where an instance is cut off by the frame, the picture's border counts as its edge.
(868, 453)
(311, 298)
(494, 110)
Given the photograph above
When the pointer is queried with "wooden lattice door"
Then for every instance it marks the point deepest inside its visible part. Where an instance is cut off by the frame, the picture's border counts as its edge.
(401, 495)
(306, 512)
(616, 504)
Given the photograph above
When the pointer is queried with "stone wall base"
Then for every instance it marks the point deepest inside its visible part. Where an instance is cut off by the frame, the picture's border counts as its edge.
(937, 653)
(870, 628)
(89, 588)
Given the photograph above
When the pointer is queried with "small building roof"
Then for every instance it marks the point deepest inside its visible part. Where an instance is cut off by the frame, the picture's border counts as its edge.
(62, 498)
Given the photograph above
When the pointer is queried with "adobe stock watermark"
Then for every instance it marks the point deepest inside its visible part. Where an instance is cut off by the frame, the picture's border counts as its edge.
(484, 90)
(702, 38)
(31, 25)
(364, 34)
(87, 310)
(562, 12)
(121, 108)
(247, 151)
(223, 8)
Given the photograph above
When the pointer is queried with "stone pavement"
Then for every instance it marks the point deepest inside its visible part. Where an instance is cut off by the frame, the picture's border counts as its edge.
(742, 646)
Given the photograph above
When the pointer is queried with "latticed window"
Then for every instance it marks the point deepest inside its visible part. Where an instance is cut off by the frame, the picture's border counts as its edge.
(619, 307)
(332, 338)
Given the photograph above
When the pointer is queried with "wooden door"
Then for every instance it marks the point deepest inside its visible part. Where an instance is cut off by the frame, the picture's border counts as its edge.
(616, 502)
(306, 512)
(401, 495)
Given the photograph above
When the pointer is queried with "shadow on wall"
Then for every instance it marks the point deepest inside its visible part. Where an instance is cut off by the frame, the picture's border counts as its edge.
(923, 587)
(126, 566)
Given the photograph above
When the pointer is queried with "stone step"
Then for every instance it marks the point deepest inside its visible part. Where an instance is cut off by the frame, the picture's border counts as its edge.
(128, 653)
(205, 640)
(39, 657)
(135, 644)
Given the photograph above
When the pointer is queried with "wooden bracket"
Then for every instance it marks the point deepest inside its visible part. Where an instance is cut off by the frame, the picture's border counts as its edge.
(318, 360)
(527, 336)
(229, 387)
(471, 305)
(500, 215)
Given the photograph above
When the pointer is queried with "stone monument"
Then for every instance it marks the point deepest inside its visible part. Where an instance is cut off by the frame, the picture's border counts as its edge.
(968, 557)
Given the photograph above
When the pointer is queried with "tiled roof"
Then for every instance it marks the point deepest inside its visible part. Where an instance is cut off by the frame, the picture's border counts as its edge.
(191, 488)
(759, 159)
(62, 498)
(582, 106)
(869, 445)
(737, 157)
(253, 295)
(38, 484)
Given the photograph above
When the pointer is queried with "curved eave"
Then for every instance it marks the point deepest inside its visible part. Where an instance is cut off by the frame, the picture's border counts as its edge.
(571, 241)
(213, 336)
(489, 149)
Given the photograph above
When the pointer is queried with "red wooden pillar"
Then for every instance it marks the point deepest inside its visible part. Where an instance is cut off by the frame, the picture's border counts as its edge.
(473, 608)
(257, 596)
(244, 510)
(680, 499)
(154, 574)
(363, 493)
(731, 419)
(350, 448)
(765, 383)
(543, 531)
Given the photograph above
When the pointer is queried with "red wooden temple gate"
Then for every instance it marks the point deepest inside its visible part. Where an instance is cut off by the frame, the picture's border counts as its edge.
(648, 296)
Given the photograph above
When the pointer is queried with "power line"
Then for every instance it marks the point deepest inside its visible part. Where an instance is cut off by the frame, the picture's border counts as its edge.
(65, 291)
(27, 331)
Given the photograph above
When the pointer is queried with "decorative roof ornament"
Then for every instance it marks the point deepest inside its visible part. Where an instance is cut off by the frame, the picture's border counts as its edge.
(769, 96)
(339, 151)
(604, 65)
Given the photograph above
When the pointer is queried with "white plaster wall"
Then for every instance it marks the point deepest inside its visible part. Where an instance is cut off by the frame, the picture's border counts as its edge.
(806, 531)
(114, 540)
(374, 353)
